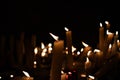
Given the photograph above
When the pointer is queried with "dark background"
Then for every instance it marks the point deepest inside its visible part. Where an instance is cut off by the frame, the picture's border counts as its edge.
(42, 17)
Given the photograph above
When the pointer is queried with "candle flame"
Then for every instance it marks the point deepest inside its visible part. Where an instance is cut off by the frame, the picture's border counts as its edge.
(87, 59)
(106, 22)
(89, 53)
(92, 77)
(36, 50)
(108, 32)
(81, 49)
(26, 73)
(73, 48)
(96, 50)
(66, 29)
(100, 24)
(86, 45)
(42, 45)
(116, 33)
(110, 46)
(55, 37)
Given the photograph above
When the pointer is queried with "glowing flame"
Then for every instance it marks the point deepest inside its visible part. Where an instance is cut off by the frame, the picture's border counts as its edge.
(92, 77)
(66, 29)
(110, 46)
(100, 24)
(44, 52)
(81, 49)
(83, 75)
(116, 32)
(108, 32)
(36, 50)
(96, 50)
(86, 45)
(87, 59)
(42, 45)
(78, 52)
(73, 48)
(89, 53)
(26, 73)
(106, 22)
(55, 37)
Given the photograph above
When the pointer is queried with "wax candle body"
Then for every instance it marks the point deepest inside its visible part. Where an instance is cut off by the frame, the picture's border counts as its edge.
(101, 38)
(69, 46)
(57, 60)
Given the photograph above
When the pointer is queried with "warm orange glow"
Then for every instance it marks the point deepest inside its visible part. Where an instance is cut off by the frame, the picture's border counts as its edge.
(83, 75)
(66, 29)
(100, 24)
(26, 73)
(86, 45)
(55, 37)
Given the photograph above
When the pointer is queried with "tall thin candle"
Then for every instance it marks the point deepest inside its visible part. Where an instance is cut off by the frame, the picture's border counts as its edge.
(69, 46)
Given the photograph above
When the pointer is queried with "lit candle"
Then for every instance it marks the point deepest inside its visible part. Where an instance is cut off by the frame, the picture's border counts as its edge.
(87, 63)
(115, 46)
(57, 59)
(107, 24)
(99, 57)
(108, 40)
(85, 50)
(27, 76)
(69, 46)
(101, 37)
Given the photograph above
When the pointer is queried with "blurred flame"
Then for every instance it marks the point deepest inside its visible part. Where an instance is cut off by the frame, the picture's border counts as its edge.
(55, 37)
(106, 22)
(73, 48)
(116, 33)
(96, 50)
(100, 24)
(87, 59)
(92, 77)
(26, 73)
(36, 50)
(108, 32)
(110, 46)
(86, 45)
(89, 53)
(66, 29)
(42, 45)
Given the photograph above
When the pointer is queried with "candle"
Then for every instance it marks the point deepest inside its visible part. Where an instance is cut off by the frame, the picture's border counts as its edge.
(99, 57)
(107, 24)
(69, 46)
(85, 51)
(108, 40)
(27, 76)
(57, 59)
(87, 64)
(114, 47)
(101, 37)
